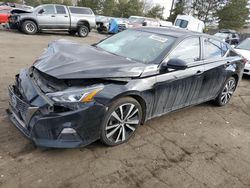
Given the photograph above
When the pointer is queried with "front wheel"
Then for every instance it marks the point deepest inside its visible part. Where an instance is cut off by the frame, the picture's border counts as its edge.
(226, 93)
(121, 121)
(83, 31)
(29, 27)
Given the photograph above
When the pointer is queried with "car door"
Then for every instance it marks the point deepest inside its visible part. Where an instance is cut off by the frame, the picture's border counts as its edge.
(179, 88)
(47, 17)
(62, 17)
(215, 64)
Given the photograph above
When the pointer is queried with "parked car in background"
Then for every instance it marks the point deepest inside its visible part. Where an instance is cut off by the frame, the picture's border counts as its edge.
(16, 5)
(110, 25)
(165, 23)
(102, 23)
(244, 49)
(55, 17)
(138, 21)
(76, 94)
(229, 36)
(190, 23)
(4, 14)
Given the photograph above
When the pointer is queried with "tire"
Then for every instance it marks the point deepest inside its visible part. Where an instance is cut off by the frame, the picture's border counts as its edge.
(71, 32)
(114, 129)
(83, 31)
(226, 93)
(29, 27)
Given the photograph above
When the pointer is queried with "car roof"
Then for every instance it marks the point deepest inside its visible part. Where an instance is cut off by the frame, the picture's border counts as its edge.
(172, 31)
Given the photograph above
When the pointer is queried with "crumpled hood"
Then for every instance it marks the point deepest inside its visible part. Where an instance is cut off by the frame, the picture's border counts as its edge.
(68, 60)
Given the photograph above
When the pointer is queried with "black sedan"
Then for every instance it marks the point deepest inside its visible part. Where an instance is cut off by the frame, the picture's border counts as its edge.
(74, 95)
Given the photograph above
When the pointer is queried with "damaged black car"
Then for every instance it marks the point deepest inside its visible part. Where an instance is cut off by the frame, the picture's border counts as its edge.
(76, 94)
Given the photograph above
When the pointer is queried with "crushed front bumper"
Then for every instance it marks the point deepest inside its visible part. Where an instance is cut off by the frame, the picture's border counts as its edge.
(59, 130)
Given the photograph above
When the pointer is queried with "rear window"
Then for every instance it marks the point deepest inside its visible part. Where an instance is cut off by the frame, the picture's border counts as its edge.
(60, 9)
(75, 10)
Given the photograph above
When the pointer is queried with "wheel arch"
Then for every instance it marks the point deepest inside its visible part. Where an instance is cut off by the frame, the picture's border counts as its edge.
(83, 22)
(236, 77)
(137, 96)
(29, 19)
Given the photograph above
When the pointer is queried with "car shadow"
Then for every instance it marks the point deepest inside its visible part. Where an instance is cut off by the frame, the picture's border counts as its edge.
(246, 77)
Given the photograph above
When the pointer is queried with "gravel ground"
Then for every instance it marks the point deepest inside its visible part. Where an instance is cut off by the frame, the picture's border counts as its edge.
(201, 146)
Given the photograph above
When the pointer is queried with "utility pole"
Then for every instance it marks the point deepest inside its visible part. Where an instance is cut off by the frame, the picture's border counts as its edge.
(172, 7)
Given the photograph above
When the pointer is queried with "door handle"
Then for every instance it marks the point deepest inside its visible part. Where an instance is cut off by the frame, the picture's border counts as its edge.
(66, 16)
(199, 72)
(53, 16)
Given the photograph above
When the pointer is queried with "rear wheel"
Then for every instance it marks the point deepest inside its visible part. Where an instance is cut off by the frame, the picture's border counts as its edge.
(226, 93)
(83, 31)
(121, 121)
(29, 27)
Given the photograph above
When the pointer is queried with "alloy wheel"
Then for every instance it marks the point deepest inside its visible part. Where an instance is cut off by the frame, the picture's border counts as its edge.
(122, 123)
(30, 28)
(228, 91)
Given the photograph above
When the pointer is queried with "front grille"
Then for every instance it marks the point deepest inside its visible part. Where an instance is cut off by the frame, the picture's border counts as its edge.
(18, 104)
(245, 70)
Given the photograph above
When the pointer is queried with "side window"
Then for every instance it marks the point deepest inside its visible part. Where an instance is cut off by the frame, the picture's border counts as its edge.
(188, 50)
(76, 10)
(49, 9)
(60, 9)
(212, 49)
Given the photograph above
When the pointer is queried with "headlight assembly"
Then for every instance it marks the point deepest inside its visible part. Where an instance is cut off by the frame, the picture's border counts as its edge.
(76, 95)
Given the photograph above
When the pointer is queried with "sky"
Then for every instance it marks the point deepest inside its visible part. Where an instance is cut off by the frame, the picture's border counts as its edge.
(166, 4)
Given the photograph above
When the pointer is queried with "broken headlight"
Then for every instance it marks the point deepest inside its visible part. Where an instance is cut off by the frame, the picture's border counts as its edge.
(76, 95)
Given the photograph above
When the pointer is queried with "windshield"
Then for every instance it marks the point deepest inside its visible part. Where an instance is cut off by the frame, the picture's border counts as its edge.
(245, 45)
(221, 35)
(181, 23)
(141, 46)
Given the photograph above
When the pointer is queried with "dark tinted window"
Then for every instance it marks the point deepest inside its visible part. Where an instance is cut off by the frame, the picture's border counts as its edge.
(181, 23)
(212, 48)
(76, 10)
(60, 9)
(48, 9)
(188, 50)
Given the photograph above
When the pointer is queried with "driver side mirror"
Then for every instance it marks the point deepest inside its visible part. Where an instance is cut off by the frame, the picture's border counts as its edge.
(176, 64)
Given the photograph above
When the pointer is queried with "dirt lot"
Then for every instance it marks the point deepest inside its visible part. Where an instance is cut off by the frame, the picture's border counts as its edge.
(202, 146)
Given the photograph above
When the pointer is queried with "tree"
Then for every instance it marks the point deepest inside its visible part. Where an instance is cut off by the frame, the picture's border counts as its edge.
(205, 9)
(33, 3)
(126, 8)
(135, 7)
(108, 7)
(233, 15)
(156, 12)
(95, 5)
(67, 2)
(179, 9)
